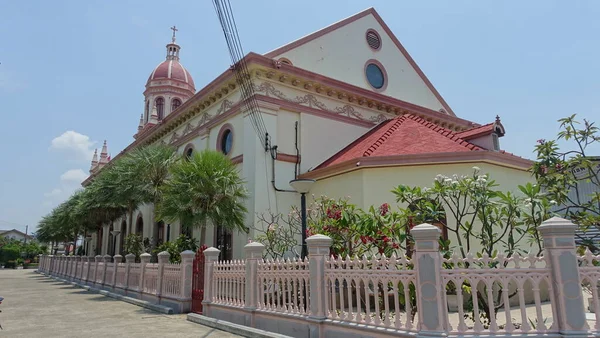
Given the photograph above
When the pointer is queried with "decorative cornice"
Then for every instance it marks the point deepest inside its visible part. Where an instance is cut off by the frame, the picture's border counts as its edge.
(263, 68)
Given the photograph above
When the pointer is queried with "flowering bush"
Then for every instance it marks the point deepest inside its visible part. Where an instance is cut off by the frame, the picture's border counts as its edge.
(353, 230)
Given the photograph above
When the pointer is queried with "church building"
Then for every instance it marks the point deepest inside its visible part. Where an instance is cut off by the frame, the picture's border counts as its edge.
(346, 106)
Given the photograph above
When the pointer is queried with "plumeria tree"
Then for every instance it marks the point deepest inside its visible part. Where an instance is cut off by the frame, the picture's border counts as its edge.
(571, 175)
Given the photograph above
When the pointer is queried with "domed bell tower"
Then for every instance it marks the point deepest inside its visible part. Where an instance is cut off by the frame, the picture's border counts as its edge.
(167, 88)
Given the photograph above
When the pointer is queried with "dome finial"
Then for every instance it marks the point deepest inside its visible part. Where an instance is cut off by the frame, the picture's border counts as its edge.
(173, 47)
(174, 29)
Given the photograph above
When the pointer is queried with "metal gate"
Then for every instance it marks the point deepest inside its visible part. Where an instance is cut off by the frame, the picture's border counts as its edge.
(198, 280)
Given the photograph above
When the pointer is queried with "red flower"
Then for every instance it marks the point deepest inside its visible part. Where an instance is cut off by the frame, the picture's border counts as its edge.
(558, 166)
(544, 169)
(363, 239)
(384, 209)
(541, 141)
(386, 239)
(395, 246)
(380, 251)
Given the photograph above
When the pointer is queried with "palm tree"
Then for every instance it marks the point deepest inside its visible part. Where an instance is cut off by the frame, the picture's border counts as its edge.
(119, 185)
(204, 188)
(145, 170)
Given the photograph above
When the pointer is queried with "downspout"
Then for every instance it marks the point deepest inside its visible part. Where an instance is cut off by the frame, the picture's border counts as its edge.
(273, 151)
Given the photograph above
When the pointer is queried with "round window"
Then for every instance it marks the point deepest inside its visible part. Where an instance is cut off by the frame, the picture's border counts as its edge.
(375, 76)
(226, 141)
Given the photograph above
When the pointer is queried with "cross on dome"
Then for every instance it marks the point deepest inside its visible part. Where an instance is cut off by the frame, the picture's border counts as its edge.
(174, 29)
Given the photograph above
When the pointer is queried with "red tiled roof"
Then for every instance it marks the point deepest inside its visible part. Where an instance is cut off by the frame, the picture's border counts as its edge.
(486, 129)
(404, 135)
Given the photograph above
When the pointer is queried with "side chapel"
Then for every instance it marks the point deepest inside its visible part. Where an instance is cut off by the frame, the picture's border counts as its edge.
(346, 106)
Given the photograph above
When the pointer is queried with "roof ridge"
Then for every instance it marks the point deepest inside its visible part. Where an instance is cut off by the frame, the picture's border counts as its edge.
(385, 136)
(444, 132)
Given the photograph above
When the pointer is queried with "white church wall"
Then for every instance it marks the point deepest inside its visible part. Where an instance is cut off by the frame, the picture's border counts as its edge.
(342, 54)
(321, 138)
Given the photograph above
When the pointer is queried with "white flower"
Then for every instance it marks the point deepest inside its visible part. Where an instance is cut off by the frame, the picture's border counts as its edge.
(425, 189)
(528, 200)
(439, 178)
(553, 202)
(454, 182)
(447, 180)
(476, 168)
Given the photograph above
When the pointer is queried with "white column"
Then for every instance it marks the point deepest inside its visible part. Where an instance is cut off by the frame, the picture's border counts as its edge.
(430, 294)
(559, 246)
(318, 250)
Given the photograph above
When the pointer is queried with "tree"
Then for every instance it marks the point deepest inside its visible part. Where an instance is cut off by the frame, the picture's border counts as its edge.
(484, 220)
(144, 172)
(571, 177)
(205, 188)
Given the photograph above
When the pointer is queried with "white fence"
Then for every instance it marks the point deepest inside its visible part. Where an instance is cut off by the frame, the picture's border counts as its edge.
(161, 283)
(422, 295)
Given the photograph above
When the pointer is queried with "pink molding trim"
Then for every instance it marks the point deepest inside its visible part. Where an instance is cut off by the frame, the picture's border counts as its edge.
(492, 157)
(318, 34)
(287, 158)
(237, 159)
(224, 128)
(296, 107)
(385, 27)
(286, 61)
(367, 93)
(385, 75)
(371, 30)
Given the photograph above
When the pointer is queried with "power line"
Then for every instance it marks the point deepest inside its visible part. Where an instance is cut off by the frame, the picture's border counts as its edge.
(239, 66)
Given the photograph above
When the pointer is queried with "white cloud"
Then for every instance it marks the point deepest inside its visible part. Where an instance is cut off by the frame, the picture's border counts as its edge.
(74, 176)
(77, 146)
(54, 193)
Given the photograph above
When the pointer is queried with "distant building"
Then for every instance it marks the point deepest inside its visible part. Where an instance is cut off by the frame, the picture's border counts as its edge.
(15, 234)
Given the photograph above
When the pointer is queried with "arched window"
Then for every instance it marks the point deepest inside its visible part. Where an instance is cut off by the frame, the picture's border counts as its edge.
(189, 153)
(139, 226)
(160, 107)
(175, 103)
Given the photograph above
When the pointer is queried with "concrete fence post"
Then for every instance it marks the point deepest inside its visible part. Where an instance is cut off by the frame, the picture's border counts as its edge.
(86, 268)
(71, 266)
(145, 259)
(83, 267)
(129, 259)
(77, 274)
(211, 255)
(318, 251)
(117, 259)
(559, 246)
(106, 259)
(163, 258)
(97, 261)
(253, 252)
(187, 262)
(431, 296)
(51, 264)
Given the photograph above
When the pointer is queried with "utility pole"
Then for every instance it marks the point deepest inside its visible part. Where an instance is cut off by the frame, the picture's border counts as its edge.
(26, 228)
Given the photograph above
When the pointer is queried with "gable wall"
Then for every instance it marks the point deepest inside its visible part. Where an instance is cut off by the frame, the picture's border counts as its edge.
(342, 54)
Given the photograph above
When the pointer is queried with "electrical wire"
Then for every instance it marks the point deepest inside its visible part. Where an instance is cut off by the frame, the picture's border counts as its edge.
(240, 67)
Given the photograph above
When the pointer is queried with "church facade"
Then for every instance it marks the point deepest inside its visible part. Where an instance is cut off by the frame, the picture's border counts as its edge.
(346, 106)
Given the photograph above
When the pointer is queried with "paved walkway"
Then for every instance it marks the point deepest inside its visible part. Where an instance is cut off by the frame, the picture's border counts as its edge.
(37, 306)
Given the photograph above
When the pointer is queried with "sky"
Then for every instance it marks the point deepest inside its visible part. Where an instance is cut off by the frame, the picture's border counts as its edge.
(72, 72)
